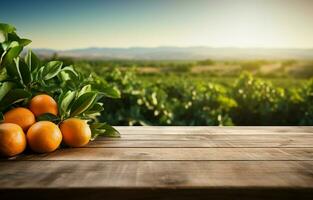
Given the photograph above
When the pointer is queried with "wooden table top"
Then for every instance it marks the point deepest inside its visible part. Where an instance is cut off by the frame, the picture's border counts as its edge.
(170, 163)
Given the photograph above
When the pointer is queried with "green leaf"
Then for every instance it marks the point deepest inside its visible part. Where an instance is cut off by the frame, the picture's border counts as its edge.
(2, 53)
(70, 69)
(14, 96)
(82, 103)
(8, 44)
(110, 131)
(96, 108)
(103, 129)
(23, 71)
(51, 69)
(38, 74)
(111, 92)
(21, 41)
(24, 42)
(3, 75)
(5, 29)
(3, 36)
(32, 61)
(85, 89)
(8, 60)
(69, 84)
(48, 117)
(65, 100)
(63, 76)
(16, 69)
(5, 88)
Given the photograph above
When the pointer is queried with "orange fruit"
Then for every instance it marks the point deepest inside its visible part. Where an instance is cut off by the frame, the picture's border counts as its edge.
(42, 104)
(12, 139)
(44, 137)
(76, 132)
(20, 116)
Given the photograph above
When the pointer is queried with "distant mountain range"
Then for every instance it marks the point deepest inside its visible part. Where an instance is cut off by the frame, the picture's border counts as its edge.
(180, 53)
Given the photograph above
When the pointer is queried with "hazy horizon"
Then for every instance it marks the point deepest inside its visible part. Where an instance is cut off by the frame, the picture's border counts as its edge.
(63, 25)
(182, 47)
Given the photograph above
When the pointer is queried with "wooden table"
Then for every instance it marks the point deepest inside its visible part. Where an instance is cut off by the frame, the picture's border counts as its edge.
(170, 163)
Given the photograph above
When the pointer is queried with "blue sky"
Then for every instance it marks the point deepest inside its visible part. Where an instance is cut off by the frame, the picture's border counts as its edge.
(67, 24)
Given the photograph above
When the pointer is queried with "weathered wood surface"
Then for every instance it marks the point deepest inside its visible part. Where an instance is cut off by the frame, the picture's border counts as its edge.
(170, 163)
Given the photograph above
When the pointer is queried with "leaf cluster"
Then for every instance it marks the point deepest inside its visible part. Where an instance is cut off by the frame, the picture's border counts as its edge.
(22, 77)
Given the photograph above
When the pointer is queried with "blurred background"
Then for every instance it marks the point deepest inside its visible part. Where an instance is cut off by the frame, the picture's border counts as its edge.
(183, 62)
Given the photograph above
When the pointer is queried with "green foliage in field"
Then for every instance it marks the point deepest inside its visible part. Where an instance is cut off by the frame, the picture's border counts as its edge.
(306, 104)
(219, 92)
(260, 103)
(179, 100)
(206, 62)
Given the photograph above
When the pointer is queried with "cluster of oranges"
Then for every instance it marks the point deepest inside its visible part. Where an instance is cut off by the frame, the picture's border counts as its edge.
(19, 129)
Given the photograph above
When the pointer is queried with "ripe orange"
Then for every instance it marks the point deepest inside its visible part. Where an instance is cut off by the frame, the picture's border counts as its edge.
(44, 137)
(20, 116)
(76, 132)
(42, 104)
(12, 139)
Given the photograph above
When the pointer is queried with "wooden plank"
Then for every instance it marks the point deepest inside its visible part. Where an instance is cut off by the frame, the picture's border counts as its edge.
(284, 130)
(171, 163)
(194, 137)
(169, 140)
(195, 154)
(151, 174)
(235, 143)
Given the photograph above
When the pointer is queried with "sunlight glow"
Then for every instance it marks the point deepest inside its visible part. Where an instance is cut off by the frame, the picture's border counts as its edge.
(223, 23)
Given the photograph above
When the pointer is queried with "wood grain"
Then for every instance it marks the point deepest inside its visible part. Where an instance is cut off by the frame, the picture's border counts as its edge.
(211, 137)
(170, 163)
(147, 174)
(178, 141)
(192, 154)
(230, 130)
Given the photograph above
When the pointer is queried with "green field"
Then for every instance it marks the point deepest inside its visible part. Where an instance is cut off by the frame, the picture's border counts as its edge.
(206, 92)
(227, 81)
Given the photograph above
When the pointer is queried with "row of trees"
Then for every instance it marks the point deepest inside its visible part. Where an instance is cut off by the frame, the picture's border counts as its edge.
(250, 101)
